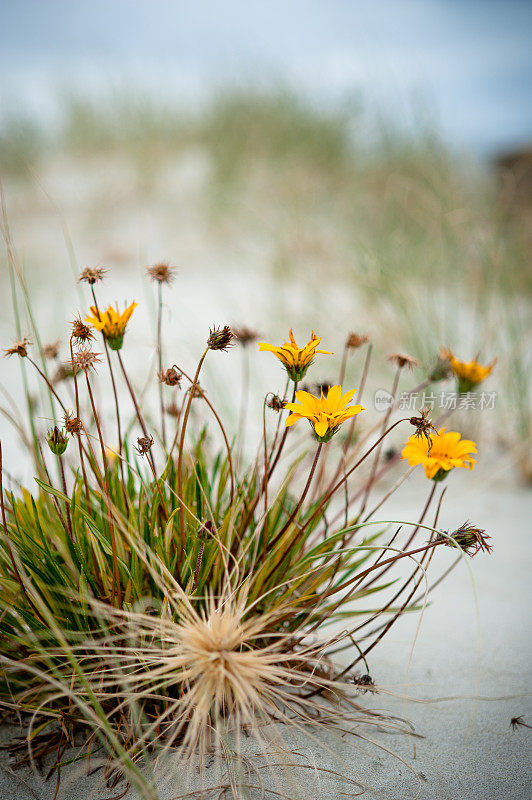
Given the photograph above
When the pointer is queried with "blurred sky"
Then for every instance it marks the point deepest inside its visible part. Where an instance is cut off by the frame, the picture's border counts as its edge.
(468, 63)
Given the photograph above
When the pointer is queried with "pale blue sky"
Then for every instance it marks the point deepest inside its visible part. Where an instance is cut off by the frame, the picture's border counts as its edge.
(469, 60)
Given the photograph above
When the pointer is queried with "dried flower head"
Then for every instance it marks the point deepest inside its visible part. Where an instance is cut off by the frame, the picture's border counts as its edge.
(57, 440)
(73, 424)
(206, 531)
(364, 683)
(80, 331)
(170, 377)
(403, 360)
(19, 348)
(516, 722)
(161, 272)
(173, 410)
(423, 425)
(356, 340)
(92, 275)
(51, 350)
(85, 359)
(63, 372)
(274, 402)
(468, 538)
(144, 445)
(245, 335)
(220, 338)
(198, 392)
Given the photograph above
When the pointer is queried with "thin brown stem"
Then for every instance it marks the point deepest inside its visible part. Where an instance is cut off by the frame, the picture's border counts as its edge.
(80, 446)
(165, 509)
(265, 487)
(343, 365)
(116, 578)
(180, 461)
(347, 444)
(376, 460)
(160, 360)
(330, 492)
(301, 500)
(135, 404)
(283, 439)
(387, 561)
(50, 387)
(243, 410)
(412, 535)
(115, 394)
(386, 627)
(220, 425)
(67, 507)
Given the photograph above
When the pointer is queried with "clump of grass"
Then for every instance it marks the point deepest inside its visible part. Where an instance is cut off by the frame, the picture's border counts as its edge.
(174, 597)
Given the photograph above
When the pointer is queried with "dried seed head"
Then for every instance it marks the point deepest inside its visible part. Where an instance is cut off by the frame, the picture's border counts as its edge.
(161, 272)
(170, 377)
(403, 360)
(73, 424)
(19, 348)
(51, 350)
(206, 531)
(423, 425)
(274, 402)
(516, 722)
(92, 275)
(63, 372)
(390, 454)
(364, 683)
(85, 359)
(355, 340)
(144, 445)
(198, 392)
(220, 338)
(173, 410)
(468, 538)
(57, 440)
(80, 331)
(245, 335)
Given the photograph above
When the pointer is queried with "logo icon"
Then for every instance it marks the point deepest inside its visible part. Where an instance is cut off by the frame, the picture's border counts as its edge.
(383, 400)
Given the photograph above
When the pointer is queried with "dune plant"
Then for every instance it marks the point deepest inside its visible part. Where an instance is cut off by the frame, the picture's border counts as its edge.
(175, 598)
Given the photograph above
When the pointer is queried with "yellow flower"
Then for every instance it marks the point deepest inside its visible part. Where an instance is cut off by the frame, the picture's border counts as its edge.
(111, 323)
(295, 359)
(469, 373)
(325, 414)
(439, 455)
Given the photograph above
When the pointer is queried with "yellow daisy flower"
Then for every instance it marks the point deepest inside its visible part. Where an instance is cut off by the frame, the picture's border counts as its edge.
(444, 451)
(111, 323)
(295, 359)
(469, 373)
(325, 414)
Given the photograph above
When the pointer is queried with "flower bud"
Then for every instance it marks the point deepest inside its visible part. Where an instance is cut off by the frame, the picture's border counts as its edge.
(57, 440)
